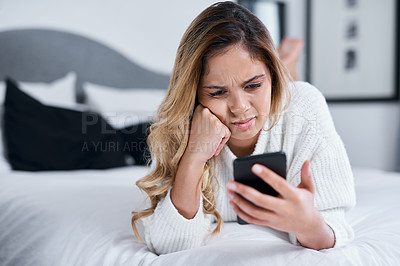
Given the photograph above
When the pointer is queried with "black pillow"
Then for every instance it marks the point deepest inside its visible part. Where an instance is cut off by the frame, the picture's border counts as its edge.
(40, 137)
(135, 142)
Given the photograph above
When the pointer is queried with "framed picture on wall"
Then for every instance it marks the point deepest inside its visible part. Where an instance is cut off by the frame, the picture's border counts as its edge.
(353, 49)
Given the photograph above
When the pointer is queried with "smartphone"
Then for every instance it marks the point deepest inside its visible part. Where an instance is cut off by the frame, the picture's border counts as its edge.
(242, 173)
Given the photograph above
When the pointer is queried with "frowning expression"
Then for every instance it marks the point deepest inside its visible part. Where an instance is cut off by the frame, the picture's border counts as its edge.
(237, 89)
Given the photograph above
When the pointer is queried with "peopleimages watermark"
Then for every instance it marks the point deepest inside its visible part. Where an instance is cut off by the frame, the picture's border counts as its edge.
(113, 122)
(296, 125)
(113, 146)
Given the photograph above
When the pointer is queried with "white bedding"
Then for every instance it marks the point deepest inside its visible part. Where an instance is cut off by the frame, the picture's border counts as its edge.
(83, 218)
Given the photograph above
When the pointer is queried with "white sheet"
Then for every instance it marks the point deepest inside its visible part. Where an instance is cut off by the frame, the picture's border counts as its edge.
(83, 218)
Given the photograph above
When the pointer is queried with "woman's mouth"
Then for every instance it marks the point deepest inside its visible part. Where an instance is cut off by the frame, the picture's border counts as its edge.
(245, 124)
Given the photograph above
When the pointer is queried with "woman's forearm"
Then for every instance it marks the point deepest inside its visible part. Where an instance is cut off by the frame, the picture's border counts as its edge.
(185, 194)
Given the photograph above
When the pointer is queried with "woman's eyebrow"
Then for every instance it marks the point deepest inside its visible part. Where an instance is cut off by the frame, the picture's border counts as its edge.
(253, 78)
(243, 84)
(215, 87)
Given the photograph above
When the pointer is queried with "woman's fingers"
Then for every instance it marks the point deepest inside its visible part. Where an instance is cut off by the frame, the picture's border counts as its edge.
(284, 188)
(251, 209)
(244, 216)
(224, 140)
(254, 196)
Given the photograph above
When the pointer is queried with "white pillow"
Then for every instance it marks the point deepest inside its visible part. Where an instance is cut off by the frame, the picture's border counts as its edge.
(60, 93)
(2, 92)
(3, 162)
(123, 107)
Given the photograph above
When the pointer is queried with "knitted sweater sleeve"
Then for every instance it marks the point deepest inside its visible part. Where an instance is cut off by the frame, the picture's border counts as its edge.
(330, 168)
(166, 230)
(334, 193)
(335, 189)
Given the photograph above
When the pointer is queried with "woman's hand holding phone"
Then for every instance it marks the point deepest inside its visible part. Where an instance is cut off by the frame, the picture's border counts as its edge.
(208, 135)
(293, 211)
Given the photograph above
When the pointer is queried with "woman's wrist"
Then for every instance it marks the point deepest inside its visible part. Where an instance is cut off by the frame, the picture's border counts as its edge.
(193, 159)
(195, 155)
(319, 235)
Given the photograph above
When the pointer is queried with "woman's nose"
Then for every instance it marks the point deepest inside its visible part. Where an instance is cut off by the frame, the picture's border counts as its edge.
(238, 103)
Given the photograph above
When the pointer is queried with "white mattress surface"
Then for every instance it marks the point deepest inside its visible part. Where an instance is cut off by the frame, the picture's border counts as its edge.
(83, 218)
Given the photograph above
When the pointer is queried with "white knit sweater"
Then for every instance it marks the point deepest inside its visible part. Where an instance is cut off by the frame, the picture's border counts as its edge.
(305, 132)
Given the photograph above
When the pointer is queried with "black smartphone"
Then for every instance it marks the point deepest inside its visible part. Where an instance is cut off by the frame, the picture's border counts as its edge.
(242, 173)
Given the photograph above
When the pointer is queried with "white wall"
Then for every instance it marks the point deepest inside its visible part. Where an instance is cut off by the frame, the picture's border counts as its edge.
(370, 131)
(149, 32)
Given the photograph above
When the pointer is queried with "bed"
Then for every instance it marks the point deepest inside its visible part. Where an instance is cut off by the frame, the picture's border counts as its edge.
(82, 216)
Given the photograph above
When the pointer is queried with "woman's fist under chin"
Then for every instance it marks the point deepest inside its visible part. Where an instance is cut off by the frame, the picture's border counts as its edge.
(208, 135)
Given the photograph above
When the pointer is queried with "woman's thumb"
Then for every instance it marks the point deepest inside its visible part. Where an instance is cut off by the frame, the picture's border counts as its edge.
(306, 177)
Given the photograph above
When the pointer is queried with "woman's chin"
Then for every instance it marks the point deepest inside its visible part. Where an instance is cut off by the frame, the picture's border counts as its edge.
(245, 135)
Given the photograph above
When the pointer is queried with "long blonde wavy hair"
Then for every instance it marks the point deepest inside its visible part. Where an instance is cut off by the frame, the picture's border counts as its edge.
(218, 27)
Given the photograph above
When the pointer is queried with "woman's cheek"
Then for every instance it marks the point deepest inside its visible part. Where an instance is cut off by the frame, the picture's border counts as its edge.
(218, 108)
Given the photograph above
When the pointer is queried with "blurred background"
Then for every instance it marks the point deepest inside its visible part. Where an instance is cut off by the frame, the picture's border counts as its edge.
(350, 54)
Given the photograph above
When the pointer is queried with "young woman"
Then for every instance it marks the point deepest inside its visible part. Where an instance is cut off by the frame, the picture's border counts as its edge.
(230, 96)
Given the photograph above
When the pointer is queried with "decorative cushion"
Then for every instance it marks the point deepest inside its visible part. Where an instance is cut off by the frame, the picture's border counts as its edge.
(123, 107)
(40, 137)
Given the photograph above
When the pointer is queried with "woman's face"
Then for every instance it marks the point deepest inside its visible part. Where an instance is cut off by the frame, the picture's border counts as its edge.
(237, 89)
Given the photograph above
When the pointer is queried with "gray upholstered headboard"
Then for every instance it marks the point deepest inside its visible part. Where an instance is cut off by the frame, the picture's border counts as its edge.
(41, 55)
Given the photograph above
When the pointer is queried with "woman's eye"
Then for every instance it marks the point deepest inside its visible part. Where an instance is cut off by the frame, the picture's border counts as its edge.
(217, 93)
(253, 86)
